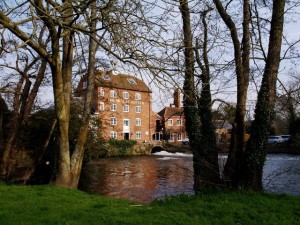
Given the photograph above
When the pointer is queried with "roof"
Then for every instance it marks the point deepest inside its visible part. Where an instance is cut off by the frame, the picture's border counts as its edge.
(169, 112)
(222, 124)
(120, 81)
(115, 80)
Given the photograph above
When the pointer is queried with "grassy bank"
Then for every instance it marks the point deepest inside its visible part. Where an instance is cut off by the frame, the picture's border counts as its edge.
(51, 205)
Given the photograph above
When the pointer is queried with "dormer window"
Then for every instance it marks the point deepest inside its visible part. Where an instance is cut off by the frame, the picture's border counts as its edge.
(106, 76)
(131, 81)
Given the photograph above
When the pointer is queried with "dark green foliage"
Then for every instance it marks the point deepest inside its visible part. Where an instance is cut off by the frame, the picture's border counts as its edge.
(123, 146)
(38, 130)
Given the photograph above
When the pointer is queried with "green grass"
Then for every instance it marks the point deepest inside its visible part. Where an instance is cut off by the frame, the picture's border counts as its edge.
(52, 205)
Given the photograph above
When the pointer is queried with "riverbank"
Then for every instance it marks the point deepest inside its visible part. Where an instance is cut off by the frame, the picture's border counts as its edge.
(52, 205)
(284, 148)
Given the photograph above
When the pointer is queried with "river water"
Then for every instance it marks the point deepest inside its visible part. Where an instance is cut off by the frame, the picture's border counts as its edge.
(145, 178)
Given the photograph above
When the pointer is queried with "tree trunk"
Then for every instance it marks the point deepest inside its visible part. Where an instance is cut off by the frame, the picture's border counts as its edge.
(241, 57)
(22, 107)
(206, 172)
(255, 155)
(207, 145)
(77, 156)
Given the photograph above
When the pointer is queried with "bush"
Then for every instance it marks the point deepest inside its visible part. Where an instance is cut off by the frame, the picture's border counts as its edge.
(120, 147)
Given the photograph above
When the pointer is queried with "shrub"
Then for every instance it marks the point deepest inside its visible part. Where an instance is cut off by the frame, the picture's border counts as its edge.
(120, 147)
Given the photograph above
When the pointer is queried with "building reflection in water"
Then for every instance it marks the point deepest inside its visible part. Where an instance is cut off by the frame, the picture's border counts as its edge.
(138, 178)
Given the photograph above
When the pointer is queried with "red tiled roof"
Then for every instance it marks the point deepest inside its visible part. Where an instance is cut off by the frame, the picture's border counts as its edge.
(168, 112)
(120, 81)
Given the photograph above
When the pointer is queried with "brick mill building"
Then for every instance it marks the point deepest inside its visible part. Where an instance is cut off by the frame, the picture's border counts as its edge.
(123, 104)
(173, 121)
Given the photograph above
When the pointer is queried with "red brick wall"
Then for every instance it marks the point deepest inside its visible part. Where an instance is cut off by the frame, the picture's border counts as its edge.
(175, 129)
(146, 127)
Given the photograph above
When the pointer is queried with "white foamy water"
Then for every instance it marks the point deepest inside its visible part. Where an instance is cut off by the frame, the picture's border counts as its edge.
(178, 154)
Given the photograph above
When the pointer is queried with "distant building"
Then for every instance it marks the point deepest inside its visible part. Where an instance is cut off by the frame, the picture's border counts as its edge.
(173, 121)
(123, 104)
(223, 131)
(222, 126)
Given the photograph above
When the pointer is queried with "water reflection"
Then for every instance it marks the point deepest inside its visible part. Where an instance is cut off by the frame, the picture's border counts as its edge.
(145, 178)
(282, 174)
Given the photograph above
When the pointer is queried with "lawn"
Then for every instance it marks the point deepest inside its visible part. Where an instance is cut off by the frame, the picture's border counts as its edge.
(51, 205)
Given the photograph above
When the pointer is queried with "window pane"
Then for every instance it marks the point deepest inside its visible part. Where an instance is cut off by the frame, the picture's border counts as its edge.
(102, 93)
(125, 95)
(113, 94)
(138, 96)
(113, 121)
(101, 106)
(113, 134)
(126, 108)
(179, 138)
(178, 122)
(113, 107)
(131, 81)
(138, 122)
(138, 109)
(138, 135)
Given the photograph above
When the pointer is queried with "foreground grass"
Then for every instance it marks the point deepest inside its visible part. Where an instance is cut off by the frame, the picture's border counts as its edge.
(52, 205)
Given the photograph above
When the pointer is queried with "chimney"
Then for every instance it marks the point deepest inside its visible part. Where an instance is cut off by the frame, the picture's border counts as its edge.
(177, 98)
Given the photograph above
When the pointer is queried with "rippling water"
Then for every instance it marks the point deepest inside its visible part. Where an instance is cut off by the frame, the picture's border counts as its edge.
(145, 178)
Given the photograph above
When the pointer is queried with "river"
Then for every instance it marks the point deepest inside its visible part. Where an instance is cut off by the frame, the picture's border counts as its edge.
(145, 178)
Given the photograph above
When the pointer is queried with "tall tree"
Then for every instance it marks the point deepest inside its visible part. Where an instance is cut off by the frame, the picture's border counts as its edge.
(242, 61)
(207, 143)
(25, 94)
(77, 156)
(116, 34)
(198, 112)
(58, 21)
(255, 155)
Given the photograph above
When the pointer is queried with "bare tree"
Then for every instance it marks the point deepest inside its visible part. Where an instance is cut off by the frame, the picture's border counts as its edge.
(242, 60)
(288, 102)
(29, 67)
(255, 154)
(116, 34)
(207, 145)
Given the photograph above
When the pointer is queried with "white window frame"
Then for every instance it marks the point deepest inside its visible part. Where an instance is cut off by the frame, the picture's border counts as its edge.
(125, 95)
(179, 137)
(113, 94)
(138, 96)
(125, 108)
(170, 122)
(138, 121)
(179, 122)
(101, 92)
(113, 107)
(138, 135)
(113, 121)
(101, 106)
(138, 109)
(131, 81)
(126, 122)
(84, 85)
(113, 134)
